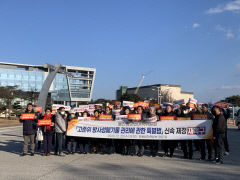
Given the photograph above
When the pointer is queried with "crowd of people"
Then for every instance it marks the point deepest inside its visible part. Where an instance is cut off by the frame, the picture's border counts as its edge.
(54, 135)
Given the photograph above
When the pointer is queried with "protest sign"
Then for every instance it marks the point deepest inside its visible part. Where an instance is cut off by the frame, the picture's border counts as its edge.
(43, 122)
(28, 116)
(105, 117)
(161, 130)
(128, 103)
(223, 105)
(163, 118)
(37, 109)
(199, 116)
(134, 117)
(183, 118)
(180, 101)
(84, 118)
(122, 118)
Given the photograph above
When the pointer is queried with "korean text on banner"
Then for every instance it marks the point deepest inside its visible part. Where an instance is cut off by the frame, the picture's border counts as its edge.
(170, 130)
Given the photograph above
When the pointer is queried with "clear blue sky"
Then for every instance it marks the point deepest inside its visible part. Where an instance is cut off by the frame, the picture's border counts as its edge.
(195, 44)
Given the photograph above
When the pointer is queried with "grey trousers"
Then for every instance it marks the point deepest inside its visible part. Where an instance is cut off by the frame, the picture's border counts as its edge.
(25, 144)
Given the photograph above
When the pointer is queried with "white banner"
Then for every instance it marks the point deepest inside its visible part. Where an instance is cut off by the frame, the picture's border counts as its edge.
(171, 130)
(128, 103)
(180, 101)
(57, 106)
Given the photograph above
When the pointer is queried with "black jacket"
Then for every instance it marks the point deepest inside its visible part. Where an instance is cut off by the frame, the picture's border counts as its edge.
(169, 114)
(30, 126)
(219, 125)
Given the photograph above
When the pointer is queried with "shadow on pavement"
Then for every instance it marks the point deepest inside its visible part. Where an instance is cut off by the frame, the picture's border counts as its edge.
(11, 146)
(113, 171)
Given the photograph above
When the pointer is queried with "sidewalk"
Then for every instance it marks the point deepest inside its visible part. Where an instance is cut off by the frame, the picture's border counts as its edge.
(7, 123)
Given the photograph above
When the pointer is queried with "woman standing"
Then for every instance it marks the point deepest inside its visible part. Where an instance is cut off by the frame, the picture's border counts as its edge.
(47, 132)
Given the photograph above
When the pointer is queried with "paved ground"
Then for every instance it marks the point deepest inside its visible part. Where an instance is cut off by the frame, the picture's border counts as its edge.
(110, 166)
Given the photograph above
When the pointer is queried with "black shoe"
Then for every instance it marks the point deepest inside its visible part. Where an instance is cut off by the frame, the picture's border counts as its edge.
(219, 162)
(23, 154)
(171, 155)
(165, 155)
(139, 154)
(32, 154)
(85, 153)
(154, 155)
(68, 152)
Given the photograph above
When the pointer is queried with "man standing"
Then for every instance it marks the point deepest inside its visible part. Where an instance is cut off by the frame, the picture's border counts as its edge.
(60, 129)
(29, 131)
(204, 142)
(169, 144)
(219, 130)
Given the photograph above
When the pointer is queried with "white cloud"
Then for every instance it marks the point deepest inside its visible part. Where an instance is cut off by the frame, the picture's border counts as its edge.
(228, 32)
(230, 87)
(195, 25)
(230, 6)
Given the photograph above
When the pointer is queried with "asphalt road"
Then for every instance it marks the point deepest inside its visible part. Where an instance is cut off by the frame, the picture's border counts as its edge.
(92, 166)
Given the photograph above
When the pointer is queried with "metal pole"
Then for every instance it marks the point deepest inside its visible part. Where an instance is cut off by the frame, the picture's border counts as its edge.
(42, 98)
(158, 95)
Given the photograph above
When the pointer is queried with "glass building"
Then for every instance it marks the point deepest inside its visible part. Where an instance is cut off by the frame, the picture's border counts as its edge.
(63, 90)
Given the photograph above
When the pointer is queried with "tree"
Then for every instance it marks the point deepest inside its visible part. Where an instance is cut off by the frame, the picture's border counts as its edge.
(8, 95)
(166, 96)
(131, 97)
(31, 96)
(234, 100)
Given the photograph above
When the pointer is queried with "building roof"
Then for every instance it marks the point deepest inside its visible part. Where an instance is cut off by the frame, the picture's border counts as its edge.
(37, 66)
(185, 92)
(156, 85)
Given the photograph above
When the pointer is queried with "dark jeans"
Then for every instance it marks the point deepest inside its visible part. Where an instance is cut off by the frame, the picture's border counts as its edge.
(71, 144)
(169, 144)
(47, 142)
(187, 148)
(139, 147)
(226, 146)
(203, 143)
(219, 146)
(59, 143)
(84, 144)
(153, 144)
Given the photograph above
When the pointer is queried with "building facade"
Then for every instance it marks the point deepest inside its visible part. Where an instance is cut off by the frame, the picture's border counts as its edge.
(64, 89)
(152, 92)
